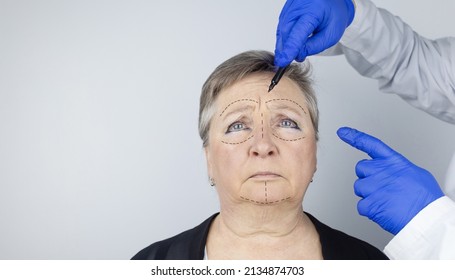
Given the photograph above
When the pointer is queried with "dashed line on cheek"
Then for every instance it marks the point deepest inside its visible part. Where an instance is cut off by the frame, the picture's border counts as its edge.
(288, 140)
(236, 143)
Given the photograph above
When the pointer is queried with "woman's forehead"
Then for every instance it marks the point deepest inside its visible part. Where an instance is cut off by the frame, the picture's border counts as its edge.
(246, 105)
(252, 92)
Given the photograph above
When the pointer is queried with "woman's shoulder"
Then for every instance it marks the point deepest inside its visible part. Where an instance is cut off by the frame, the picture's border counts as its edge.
(337, 245)
(188, 245)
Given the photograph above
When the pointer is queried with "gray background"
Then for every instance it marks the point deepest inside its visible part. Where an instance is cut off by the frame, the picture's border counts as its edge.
(99, 151)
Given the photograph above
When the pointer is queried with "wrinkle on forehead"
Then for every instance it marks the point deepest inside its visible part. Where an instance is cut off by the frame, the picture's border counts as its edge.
(236, 101)
(272, 104)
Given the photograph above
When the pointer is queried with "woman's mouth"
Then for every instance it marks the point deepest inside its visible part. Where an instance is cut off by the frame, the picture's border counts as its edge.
(264, 175)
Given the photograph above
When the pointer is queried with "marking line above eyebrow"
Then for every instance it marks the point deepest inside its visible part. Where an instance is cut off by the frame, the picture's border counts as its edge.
(245, 99)
(284, 99)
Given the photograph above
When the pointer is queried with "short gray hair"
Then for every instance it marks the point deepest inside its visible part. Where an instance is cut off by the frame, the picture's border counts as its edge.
(238, 67)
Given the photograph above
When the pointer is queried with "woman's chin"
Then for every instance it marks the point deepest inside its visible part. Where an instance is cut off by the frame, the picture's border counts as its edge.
(268, 192)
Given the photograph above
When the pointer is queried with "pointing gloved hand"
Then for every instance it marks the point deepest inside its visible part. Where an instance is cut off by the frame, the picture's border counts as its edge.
(323, 20)
(393, 189)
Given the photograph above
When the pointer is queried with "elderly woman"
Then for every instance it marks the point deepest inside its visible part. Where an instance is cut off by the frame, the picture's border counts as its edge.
(261, 156)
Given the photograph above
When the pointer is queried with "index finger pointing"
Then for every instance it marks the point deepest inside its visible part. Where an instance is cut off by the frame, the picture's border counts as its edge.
(374, 147)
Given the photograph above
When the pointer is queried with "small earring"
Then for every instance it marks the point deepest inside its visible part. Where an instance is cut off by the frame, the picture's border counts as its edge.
(212, 182)
(311, 181)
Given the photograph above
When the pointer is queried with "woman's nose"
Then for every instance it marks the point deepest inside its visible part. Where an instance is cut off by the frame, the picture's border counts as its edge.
(263, 144)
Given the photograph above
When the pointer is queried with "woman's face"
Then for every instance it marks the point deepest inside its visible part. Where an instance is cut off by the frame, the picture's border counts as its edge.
(262, 146)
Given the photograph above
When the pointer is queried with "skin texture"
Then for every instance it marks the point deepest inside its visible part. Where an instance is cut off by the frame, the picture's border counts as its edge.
(262, 157)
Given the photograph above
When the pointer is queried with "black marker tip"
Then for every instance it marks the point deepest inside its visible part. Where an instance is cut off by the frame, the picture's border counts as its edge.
(279, 73)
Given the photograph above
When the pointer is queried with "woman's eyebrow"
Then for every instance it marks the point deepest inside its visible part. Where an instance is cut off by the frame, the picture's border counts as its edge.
(241, 108)
(238, 110)
(289, 104)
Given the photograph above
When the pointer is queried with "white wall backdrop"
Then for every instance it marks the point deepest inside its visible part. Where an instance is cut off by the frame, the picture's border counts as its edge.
(99, 150)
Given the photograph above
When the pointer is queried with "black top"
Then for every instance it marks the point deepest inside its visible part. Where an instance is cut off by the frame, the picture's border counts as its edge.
(190, 245)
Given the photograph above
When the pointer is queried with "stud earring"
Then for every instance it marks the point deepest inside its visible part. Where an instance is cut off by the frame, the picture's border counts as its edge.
(212, 182)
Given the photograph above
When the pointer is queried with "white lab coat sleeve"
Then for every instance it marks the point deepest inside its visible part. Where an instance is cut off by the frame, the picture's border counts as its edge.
(422, 72)
(381, 46)
(429, 235)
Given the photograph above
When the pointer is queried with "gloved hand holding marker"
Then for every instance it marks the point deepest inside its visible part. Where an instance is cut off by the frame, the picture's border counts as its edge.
(393, 189)
(308, 27)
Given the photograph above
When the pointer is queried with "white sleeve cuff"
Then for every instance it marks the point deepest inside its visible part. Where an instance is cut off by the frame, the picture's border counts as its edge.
(429, 235)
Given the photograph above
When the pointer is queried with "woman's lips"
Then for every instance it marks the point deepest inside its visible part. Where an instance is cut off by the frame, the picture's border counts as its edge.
(264, 174)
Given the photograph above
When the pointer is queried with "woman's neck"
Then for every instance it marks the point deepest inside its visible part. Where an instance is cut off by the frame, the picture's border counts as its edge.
(252, 220)
(262, 232)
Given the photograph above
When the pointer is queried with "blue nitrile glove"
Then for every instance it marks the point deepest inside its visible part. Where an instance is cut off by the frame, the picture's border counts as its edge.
(324, 20)
(393, 189)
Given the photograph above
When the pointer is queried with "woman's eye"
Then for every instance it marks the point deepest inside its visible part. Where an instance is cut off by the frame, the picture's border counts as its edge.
(287, 123)
(237, 126)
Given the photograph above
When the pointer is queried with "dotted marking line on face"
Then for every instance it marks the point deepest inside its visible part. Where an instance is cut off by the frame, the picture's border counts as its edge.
(244, 99)
(284, 99)
(265, 203)
(230, 143)
(265, 191)
(288, 140)
(262, 124)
